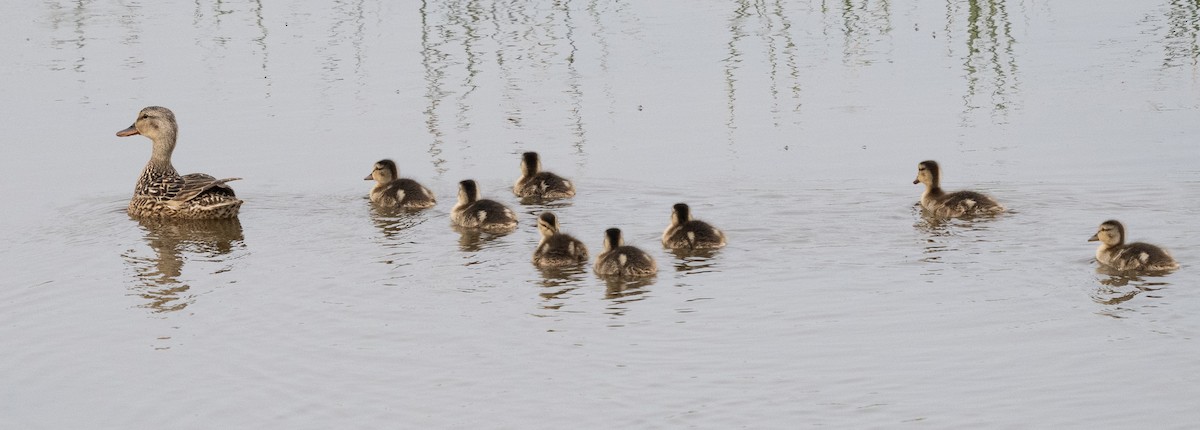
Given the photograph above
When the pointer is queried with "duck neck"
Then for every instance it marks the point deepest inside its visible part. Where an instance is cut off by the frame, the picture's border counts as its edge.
(933, 190)
(164, 145)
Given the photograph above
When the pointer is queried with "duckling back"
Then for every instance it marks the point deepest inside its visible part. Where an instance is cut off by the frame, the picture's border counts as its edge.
(960, 203)
(687, 233)
(472, 211)
(1136, 256)
(403, 193)
(625, 261)
(621, 260)
(559, 250)
(535, 183)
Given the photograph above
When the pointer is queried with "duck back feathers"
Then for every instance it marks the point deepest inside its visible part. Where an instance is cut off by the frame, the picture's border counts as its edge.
(535, 183)
(620, 260)
(687, 233)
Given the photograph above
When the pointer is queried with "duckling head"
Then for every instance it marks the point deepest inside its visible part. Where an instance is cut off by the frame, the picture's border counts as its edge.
(928, 173)
(547, 224)
(530, 164)
(1111, 233)
(612, 239)
(468, 192)
(385, 171)
(680, 214)
(155, 122)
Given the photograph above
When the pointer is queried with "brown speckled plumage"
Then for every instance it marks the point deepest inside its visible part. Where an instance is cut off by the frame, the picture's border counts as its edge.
(534, 183)
(1129, 257)
(956, 204)
(474, 212)
(393, 191)
(161, 192)
(557, 249)
(623, 261)
(687, 233)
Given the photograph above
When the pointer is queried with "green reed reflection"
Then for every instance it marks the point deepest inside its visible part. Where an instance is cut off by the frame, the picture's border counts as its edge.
(1183, 27)
(990, 62)
(515, 56)
(771, 23)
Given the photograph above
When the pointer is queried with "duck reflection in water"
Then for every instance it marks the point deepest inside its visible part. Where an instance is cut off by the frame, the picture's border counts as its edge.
(626, 288)
(558, 282)
(394, 222)
(158, 278)
(473, 239)
(694, 260)
(1120, 286)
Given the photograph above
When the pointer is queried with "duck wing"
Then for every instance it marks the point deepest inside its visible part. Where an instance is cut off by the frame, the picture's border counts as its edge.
(193, 185)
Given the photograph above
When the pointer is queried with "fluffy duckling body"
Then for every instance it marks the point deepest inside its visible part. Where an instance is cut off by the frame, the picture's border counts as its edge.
(622, 260)
(687, 233)
(1137, 256)
(161, 192)
(955, 204)
(393, 191)
(539, 184)
(557, 249)
(472, 211)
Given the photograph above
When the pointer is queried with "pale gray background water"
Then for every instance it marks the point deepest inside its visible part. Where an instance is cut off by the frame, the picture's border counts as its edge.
(796, 126)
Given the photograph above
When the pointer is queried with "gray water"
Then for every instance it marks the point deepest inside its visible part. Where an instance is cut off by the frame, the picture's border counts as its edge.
(795, 126)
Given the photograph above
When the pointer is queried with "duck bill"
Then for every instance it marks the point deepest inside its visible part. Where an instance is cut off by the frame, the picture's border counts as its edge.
(916, 181)
(132, 130)
(368, 178)
(1095, 238)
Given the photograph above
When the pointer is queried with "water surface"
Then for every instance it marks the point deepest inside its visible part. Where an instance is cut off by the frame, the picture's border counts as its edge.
(795, 126)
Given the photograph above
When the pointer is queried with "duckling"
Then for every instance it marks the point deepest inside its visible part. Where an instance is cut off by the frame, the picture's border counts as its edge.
(161, 192)
(956, 204)
(393, 191)
(1137, 256)
(557, 249)
(622, 260)
(687, 233)
(472, 211)
(536, 183)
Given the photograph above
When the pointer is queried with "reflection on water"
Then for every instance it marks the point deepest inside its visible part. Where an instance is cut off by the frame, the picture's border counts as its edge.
(397, 227)
(695, 261)
(989, 62)
(778, 47)
(1118, 287)
(1183, 27)
(518, 51)
(474, 240)
(620, 292)
(159, 278)
(558, 283)
(864, 22)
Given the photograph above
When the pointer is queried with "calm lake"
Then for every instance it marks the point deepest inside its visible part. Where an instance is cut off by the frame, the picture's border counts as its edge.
(795, 126)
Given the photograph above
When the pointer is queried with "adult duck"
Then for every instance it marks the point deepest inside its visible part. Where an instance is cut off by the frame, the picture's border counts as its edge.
(161, 192)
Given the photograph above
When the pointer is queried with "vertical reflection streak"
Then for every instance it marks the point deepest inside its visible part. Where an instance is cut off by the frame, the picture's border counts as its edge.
(737, 33)
(575, 90)
(261, 41)
(434, 72)
(989, 51)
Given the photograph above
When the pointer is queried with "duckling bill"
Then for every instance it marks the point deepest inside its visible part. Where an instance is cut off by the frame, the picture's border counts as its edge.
(1137, 256)
(939, 203)
(161, 192)
(393, 191)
